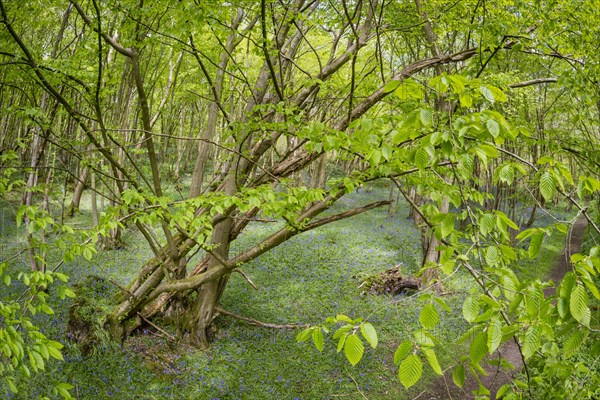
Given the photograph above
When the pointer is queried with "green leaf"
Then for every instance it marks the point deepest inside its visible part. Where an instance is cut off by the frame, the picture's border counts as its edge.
(478, 348)
(458, 376)
(497, 93)
(547, 185)
(493, 127)
(442, 304)
(410, 370)
(318, 340)
(341, 342)
(369, 333)
(487, 93)
(391, 86)
(487, 224)
(7, 280)
(494, 335)
(354, 349)
(421, 158)
(578, 304)
(535, 245)
(573, 343)
(55, 353)
(429, 317)
(470, 309)
(432, 360)
(402, 351)
(532, 341)
(466, 100)
(502, 391)
(409, 89)
(426, 117)
(303, 335)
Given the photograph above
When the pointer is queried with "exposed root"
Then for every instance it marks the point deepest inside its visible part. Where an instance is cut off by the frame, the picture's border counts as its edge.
(390, 281)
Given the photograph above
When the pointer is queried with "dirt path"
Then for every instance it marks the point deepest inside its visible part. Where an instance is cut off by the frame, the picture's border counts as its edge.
(444, 388)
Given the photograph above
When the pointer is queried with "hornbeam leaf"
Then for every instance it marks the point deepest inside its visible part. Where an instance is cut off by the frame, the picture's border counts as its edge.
(487, 93)
(391, 86)
(535, 245)
(410, 370)
(429, 317)
(354, 349)
(493, 127)
(532, 341)
(578, 304)
(573, 343)
(478, 348)
(369, 333)
(319, 341)
(470, 309)
(432, 360)
(547, 185)
(494, 335)
(402, 351)
(458, 376)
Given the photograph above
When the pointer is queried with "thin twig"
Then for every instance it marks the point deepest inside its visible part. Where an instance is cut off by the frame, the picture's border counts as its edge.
(158, 328)
(256, 322)
(239, 271)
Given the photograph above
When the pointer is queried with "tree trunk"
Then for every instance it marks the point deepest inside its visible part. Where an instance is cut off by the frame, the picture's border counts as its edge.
(78, 192)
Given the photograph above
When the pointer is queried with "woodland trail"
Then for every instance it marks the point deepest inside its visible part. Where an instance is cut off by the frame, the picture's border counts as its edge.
(444, 388)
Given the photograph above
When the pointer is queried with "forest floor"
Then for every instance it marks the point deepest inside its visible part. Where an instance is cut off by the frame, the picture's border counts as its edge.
(444, 388)
(309, 278)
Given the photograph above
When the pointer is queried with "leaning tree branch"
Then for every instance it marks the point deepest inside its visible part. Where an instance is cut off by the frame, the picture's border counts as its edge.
(532, 82)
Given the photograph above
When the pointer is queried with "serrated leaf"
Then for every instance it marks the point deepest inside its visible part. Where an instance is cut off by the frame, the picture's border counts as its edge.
(423, 338)
(494, 335)
(535, 245)
(498, 94)
(458, 376)
(426, 117)
(466, 100)
(470, 309)
(55, 353)
(369, 333)
(318, 340)
(421, 158)
(547, 185)
(432, 360)
(341, 342)
(303, 335)
(502, 391)
(493, 127)
(578, 303)
(532, 341)
(487, 93)
(410, 370)
(506, 174)
(402, 351)
(487, 224)
(492, 256)
(429, 317)
(442, 304)
(391, 86)
(573, 343)
(478, 348)
(354, 349)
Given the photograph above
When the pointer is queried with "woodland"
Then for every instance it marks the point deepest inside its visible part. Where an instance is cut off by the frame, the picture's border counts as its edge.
(299, 199)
